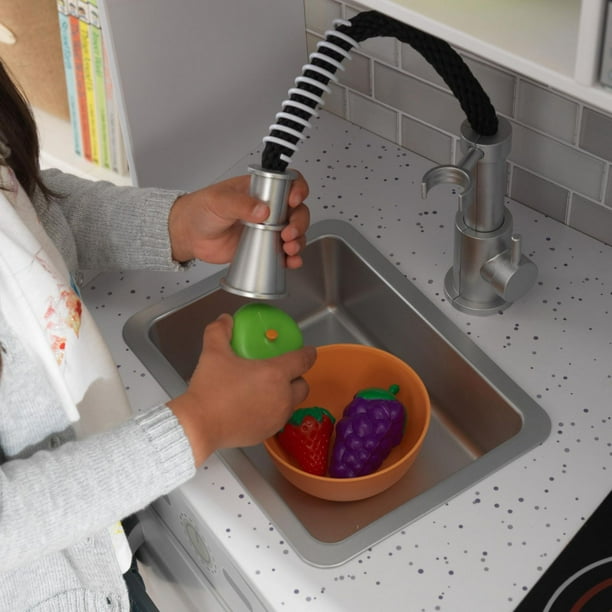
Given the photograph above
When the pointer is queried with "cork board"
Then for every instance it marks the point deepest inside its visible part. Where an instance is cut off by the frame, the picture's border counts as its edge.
(34, 59)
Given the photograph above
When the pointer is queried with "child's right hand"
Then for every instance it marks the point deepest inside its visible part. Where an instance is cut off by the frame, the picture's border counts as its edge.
(232, 401)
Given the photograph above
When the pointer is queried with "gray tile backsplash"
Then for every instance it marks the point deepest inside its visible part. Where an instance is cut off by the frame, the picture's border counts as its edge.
(561, 160)
(590, 218)
(596, 133)
(434, 144)
(416, 98)
(358, 74)
(557, 161)
(546, 111)
(372, 116)
(499, 85)
(549, 198)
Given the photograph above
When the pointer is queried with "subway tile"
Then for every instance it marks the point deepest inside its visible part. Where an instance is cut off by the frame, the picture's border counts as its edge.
(547, 111)
(320, 14)
(357, 74)
(372, 116)
(596, 133)
(426, 141)
(591, 218)
(539, 194)
(414, 63)
(335, 102)
(417, 99)
(383, 48)
(556, 161)
(497, 84)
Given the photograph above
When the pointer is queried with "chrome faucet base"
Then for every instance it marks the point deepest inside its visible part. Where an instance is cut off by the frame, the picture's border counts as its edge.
(489, 271)
(464, 285)
(467, 306)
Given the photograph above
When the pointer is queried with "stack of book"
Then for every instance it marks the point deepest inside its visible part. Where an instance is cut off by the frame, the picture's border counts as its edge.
(93, 108)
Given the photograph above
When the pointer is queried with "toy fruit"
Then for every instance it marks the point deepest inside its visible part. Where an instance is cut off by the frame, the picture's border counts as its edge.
(261, 331)
(371, 425)
(306, 438)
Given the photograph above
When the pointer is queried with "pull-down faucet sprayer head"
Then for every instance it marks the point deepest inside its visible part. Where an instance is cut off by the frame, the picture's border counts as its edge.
(258, 269)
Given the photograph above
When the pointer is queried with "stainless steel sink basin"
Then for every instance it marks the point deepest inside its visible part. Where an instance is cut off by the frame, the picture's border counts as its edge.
(348, 292)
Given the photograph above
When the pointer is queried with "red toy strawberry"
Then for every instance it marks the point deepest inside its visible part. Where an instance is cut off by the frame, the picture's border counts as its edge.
(306, 437)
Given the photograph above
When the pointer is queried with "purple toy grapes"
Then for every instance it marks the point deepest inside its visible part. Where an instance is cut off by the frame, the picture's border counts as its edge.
(371, 425)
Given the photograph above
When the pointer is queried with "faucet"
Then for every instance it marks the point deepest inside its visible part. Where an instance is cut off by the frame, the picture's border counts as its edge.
(489, 272)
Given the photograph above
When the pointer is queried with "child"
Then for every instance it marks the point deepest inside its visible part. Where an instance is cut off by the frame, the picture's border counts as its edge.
(65, 482)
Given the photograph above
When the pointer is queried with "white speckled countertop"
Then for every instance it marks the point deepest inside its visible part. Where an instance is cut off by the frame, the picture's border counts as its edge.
(485, 548)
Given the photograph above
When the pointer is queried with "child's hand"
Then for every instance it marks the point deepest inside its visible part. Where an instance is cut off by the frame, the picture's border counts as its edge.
(234, 402)
(205, 224)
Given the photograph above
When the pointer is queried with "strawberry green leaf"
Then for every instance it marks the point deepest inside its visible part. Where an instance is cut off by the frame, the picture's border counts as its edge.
(316, 412)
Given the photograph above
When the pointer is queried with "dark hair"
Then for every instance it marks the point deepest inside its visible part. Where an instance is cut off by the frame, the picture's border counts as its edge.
(18, 129)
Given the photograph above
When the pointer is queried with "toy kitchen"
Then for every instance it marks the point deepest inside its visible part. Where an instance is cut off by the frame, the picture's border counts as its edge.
(503, 311)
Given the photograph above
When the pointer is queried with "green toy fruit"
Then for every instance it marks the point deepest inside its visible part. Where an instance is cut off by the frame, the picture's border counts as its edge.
(262, 331)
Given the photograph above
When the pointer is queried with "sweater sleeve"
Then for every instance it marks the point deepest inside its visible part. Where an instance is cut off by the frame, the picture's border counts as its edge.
(112, 226)
(57, 497)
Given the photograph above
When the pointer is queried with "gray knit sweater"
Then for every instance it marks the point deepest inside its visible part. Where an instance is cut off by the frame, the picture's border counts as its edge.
(58, 495)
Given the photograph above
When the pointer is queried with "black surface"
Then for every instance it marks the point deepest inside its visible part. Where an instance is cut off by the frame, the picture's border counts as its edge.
(580, 579)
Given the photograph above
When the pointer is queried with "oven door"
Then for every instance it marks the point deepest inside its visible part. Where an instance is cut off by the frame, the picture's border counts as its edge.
(173, 580)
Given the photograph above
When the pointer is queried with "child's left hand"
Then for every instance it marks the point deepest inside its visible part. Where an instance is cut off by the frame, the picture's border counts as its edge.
(205, 224)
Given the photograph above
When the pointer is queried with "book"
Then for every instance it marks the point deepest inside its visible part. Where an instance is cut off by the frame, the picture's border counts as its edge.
(116, 145)
(79, 78)
(88, 73)
(69, 70)
(99, 86)
(93, 107)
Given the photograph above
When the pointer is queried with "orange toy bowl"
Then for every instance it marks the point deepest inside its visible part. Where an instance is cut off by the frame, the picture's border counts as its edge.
(340, 371)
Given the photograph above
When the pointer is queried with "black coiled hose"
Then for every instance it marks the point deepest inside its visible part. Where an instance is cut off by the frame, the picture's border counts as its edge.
(305, 97)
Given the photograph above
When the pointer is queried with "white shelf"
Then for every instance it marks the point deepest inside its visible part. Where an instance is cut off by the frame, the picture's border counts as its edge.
(56, 151)
(555, 42)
